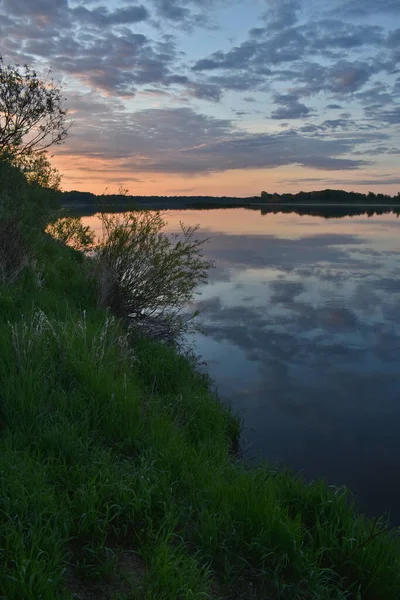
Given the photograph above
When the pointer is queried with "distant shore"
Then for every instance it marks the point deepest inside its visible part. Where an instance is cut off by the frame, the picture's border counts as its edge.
(317, 209)
(84, 201)
(254, 204)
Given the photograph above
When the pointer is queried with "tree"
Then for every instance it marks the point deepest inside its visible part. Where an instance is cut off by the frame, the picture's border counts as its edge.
(32, 117)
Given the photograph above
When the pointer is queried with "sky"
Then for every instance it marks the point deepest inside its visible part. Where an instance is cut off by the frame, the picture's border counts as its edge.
(219, 97)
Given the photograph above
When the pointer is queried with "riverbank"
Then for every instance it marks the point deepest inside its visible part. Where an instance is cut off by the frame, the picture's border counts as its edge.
(118, 478)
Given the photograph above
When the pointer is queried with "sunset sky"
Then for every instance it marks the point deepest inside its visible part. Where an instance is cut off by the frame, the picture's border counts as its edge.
(219, 97)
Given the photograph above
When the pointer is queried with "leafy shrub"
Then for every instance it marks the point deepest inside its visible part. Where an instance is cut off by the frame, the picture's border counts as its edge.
(27, 202)
(147, 276)
(14, 251)
(71, 231)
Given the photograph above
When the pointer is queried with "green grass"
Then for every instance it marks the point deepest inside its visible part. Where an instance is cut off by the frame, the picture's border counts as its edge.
(117, 477)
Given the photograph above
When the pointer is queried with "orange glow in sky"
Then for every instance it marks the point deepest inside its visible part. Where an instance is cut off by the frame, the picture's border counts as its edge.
(218, 98)
(101, 176)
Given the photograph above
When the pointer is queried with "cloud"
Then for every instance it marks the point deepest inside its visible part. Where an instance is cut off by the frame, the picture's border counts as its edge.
(36, 8)
(379, 94)
(172, 9)
(344, 123)
(324, 55)
(246, 251)
(239, 82)
(295, 62)
(393, 40)
(180, 140)
(378, 181)
(290, 107)
(332, 124)
(187, 14)
(121, 134)
(113, 63)
(205, 91)
(357, 8)
(208, 64)
(45, 13)
(257, 54)
(377, 151)
(94, 45)
(328, 35)
(117, 63)
(391, 116)
(102, 17)
(340, 79)
(236, 58)
(282, 13)
(349, 77)
(370, 181)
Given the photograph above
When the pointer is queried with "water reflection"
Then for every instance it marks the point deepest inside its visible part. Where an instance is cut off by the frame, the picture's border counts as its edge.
(303, 338)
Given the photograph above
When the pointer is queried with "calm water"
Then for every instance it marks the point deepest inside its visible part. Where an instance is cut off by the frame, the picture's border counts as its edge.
(302, 317)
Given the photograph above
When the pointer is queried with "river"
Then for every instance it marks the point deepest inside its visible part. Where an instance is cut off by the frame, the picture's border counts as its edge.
(302, 323)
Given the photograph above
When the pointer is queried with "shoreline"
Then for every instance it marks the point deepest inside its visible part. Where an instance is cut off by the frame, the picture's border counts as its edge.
(117, 468)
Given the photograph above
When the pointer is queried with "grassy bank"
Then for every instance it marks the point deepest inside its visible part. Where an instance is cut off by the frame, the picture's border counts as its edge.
(118, 480)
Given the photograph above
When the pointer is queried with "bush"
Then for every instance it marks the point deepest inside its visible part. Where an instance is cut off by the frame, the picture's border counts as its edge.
(29, 203)
(147, 276)
(14, 251)
(71, 231)
(13, 186)
(25, 209)
(13, 247)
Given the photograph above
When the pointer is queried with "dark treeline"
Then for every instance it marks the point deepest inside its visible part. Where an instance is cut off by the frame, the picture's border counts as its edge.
(331, 203)
(332, 211)
(324, 203)
(330, 197)
(77, 199)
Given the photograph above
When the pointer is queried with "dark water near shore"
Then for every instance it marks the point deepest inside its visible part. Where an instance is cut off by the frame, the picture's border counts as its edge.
(302, 316)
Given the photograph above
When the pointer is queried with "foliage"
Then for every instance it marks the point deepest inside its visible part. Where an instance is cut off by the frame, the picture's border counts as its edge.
(14, 251)
(148, 276)
(13, 186)
(38, 170)
(71, 231)
(25, 208)
(303, 202)
(329, 196)
(28, 203)
(116, 473)
(32, 116)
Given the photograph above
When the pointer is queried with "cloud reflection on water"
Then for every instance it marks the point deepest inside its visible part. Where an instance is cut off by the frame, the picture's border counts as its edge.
(302, 317)
(304, 340)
